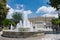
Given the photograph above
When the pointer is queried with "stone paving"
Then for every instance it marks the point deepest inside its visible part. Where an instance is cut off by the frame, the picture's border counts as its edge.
(51, 37)
(46, 37)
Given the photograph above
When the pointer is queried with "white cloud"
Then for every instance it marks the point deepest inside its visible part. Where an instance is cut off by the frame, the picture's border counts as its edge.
(11, 11)
(19, 6)
(28, 12)
(8, 6)
(22, 5)
(45, 9)
(48, 11)
(50, 15)
(24, 11)
(21, 10)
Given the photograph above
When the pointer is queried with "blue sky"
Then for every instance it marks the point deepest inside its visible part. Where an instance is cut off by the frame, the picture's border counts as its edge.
(28, 4)
(32, 5)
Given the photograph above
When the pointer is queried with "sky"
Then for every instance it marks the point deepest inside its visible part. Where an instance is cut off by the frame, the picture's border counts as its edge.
(32, 7)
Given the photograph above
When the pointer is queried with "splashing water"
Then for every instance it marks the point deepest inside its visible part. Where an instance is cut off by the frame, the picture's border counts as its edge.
(24, 24)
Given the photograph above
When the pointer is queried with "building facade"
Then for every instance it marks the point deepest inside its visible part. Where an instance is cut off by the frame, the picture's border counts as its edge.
(41, 22)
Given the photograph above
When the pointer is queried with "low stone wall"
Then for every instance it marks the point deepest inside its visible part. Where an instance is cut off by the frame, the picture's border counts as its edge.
(21, 34)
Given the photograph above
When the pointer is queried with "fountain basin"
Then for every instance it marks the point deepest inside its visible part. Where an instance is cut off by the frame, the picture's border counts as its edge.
(13, 34)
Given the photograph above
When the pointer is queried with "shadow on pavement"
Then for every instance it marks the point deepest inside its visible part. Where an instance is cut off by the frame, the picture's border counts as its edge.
(51, 32)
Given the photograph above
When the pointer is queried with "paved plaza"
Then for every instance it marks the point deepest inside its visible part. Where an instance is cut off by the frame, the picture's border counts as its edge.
(46, 37)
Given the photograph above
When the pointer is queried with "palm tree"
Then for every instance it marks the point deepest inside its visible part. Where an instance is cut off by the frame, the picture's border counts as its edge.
(16, 17)
(3, 10)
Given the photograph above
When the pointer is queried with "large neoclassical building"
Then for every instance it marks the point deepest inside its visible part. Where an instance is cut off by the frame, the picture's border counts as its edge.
(41, 22)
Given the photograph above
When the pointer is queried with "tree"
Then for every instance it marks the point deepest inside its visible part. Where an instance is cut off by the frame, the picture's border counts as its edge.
(16, 17)
(7, 22)
(3, 10)
(55, 4)
(55, 23)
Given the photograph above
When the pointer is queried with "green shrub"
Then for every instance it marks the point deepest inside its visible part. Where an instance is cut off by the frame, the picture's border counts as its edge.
(7, 22)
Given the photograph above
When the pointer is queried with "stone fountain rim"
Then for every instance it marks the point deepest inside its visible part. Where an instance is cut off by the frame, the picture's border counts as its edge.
(20, 31)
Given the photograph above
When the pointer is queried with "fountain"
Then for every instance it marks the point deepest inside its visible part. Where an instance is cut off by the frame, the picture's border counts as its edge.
(23, 29)
(25, 24)
(11, 27)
